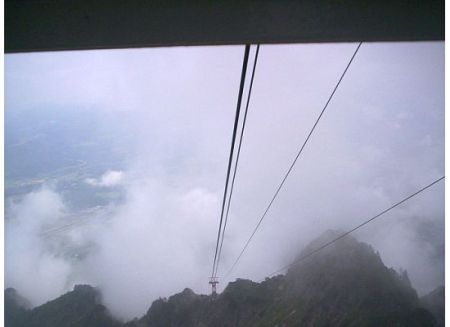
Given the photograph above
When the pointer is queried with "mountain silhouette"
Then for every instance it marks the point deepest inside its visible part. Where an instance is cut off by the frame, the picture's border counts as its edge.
(345, 284)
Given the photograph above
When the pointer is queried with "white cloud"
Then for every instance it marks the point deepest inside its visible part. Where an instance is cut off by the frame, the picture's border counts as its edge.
(31, 267)
(108, 179)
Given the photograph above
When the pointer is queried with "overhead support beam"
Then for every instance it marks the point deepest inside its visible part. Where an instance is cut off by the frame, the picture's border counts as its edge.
(44, 25)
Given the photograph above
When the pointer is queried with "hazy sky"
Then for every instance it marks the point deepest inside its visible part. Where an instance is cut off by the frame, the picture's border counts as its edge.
(381, 139)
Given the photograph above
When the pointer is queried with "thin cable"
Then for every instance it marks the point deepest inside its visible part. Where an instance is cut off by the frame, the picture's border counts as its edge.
(357, 227)
(63, 228)
(295, 160)
(237, 157)
(68, 227)
(236, 120)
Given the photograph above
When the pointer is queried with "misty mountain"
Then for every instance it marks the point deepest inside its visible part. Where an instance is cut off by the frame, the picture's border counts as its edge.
(346, 284)
(16, 308)
(435, 303)
(78, 308)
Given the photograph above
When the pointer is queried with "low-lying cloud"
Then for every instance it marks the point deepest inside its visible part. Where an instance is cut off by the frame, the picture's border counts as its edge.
(108, 179)
(160, 231)
(31, 265)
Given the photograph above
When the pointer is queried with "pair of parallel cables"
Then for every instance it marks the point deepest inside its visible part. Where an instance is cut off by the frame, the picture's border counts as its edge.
(227, 201)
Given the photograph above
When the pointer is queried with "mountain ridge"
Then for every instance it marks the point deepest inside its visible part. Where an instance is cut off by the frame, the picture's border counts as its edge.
(345, 284)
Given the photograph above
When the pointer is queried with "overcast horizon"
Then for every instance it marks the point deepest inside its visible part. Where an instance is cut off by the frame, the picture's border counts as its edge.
(131, 146)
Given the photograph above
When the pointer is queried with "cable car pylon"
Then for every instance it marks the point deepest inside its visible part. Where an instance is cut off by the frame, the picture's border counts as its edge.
(213, 281)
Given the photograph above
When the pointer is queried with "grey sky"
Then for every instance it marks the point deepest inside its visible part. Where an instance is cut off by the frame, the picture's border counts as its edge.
(381, 138)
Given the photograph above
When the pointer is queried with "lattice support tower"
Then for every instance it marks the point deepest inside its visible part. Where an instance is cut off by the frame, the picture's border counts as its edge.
(213, 281)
